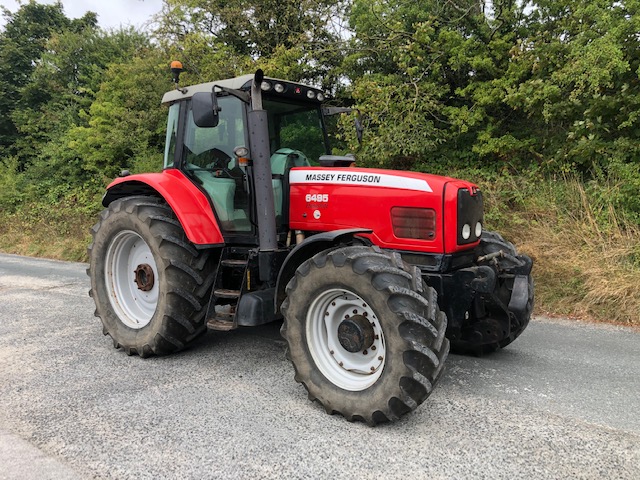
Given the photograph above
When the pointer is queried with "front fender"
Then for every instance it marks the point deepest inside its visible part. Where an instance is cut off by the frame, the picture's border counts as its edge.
(190, 204)
(307, 249)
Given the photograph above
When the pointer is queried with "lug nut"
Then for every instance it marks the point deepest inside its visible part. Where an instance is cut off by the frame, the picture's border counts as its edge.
(373, 347)
(365, 314)
(380, 358)
(364, 352)
(355, 312)
(331, 352)
(373, 369)
(341, 364)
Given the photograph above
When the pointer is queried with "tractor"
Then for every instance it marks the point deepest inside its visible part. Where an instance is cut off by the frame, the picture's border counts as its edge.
(375, 274)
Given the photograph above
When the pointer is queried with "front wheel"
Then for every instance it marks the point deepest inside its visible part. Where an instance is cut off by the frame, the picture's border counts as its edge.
(498, 326)
(149, 283)
(364, 334)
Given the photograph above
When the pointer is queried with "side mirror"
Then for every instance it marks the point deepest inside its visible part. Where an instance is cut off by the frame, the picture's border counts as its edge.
(359, 129)
(205, 109)
(329, 111)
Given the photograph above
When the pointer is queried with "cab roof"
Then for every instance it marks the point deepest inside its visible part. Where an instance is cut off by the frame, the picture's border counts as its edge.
(242, 82)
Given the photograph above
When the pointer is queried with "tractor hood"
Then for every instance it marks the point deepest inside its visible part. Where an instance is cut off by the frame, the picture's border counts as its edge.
(405, 210)
(371, 177)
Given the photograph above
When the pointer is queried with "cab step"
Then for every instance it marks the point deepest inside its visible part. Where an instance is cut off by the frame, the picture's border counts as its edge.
(221, 325)
(235, 263)
(229, 286)
(224, 318)
(226, 293)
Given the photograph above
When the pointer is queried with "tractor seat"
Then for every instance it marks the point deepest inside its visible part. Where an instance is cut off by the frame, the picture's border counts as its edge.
(286, 158)
(281, 162)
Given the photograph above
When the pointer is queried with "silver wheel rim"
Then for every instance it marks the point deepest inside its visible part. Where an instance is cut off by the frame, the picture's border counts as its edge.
(349, 371)
(126, 253)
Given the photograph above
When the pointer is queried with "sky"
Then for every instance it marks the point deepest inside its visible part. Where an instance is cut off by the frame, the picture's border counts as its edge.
(111, 13)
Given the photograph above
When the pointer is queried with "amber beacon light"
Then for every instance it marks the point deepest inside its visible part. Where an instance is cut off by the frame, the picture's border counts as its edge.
(176, 69)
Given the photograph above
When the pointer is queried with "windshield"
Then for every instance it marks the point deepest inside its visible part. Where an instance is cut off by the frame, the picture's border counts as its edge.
(297, 127)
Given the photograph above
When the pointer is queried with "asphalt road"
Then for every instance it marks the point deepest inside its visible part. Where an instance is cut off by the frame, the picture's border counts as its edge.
(561, 402)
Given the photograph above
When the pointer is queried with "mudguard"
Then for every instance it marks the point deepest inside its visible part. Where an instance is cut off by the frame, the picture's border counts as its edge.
(308, 249)
(189, 203)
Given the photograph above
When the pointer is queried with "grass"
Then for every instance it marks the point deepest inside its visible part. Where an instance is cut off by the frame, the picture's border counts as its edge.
(586, 258)
(60, 232)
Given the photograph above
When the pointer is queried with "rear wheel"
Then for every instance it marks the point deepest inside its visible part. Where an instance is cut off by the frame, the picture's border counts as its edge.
(149, 283)
(364, 334)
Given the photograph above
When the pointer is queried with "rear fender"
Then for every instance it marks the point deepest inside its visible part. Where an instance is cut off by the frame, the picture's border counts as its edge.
(307, 249)
(190, 204)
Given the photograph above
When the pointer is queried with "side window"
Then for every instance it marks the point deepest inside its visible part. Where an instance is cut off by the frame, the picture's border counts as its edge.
(172, 131)
(303, 131)
(208, 156)
(213, 147)
(296, 127)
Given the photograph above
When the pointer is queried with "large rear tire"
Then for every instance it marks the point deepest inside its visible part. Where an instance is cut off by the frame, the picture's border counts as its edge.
(149, 283)
(364, 333)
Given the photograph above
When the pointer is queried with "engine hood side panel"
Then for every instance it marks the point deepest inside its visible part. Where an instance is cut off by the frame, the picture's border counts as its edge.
(330, 199)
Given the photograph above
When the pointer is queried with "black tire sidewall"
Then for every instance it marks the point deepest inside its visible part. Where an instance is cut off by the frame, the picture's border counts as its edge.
(135, 214)
(362, 403)
(118, 221)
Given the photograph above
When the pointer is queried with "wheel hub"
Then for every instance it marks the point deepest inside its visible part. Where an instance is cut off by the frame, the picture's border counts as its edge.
(355, 334)
(144, 277)
(134, 300)
(345, 339)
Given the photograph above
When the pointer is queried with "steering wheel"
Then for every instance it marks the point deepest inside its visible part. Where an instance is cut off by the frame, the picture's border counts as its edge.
(215, 159)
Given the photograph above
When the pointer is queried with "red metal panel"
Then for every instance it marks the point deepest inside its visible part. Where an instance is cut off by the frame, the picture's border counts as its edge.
(324, 199)
(190, 204)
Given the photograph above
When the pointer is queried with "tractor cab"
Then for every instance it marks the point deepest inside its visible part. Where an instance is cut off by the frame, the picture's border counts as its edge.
(208, 140)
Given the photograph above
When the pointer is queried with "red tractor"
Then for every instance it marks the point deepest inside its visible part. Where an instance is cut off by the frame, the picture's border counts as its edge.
(375, 272)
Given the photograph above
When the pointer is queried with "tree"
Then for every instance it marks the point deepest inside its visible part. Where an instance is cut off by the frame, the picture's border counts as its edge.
(21, 44)
(297, 34)
(426, 76)
(125, 125)
(63, 87)
(575, 76)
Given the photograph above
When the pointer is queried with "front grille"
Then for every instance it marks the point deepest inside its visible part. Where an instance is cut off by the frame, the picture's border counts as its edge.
(470, 212)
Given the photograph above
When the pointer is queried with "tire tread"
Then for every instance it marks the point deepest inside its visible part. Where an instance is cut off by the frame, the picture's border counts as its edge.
(420, 324)
(189, 274)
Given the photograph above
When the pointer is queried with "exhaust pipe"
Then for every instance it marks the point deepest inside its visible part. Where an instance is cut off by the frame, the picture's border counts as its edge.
(261, 157)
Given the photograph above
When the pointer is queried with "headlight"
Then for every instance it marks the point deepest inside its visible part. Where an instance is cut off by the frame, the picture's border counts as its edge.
(478, 229)
(265, 86)
(311, 94)
(466, 231)
(241, 151)
(279, 88)
(320, 97)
